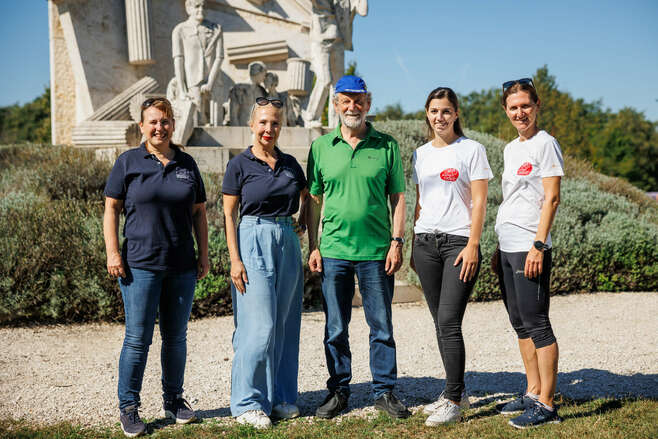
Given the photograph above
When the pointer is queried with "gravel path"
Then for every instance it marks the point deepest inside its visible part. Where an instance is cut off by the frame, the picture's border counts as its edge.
(608, 347)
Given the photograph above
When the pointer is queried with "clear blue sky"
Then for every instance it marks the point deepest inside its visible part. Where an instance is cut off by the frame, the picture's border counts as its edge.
(597, 49)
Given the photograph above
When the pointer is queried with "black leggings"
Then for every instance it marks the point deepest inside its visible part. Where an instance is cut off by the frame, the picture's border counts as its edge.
(527, 300)
(446, 296)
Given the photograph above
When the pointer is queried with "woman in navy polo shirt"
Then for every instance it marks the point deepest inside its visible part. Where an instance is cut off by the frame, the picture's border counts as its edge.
(266, 186)
(160, 190)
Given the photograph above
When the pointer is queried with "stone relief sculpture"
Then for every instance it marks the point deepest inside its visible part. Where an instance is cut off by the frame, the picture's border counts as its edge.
(243, 96)
(330, 35)
(291, 104)
(198, 50)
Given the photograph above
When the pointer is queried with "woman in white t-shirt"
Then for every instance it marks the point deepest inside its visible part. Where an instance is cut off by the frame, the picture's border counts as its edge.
(531, 194)
(452, 174)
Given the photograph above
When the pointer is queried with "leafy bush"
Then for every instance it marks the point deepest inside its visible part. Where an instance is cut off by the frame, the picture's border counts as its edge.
(53, 255)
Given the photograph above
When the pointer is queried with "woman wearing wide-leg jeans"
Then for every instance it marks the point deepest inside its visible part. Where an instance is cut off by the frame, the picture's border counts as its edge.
(266, 186)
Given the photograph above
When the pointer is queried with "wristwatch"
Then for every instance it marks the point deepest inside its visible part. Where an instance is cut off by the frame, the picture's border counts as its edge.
(540, 246)
(398, 240)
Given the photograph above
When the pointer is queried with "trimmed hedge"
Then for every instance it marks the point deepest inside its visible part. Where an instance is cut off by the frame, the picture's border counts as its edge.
(52, 267)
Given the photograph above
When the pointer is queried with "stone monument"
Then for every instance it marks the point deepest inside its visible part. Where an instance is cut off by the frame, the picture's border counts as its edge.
(213, 56)
(331, 36)
(198, 50)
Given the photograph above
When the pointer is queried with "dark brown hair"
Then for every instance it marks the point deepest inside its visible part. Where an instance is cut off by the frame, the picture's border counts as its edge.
(528, 88)
(440, 93)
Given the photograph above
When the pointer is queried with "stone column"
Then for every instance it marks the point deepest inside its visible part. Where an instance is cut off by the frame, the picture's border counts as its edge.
(139, 35)
(298, 76)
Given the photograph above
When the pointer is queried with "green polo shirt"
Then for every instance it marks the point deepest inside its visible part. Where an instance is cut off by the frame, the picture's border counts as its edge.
(356, 184)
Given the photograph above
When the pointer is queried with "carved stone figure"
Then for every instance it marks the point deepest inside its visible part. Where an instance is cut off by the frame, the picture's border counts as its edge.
(331, 35)
(291, 114)
(198, 50)
(243, 96)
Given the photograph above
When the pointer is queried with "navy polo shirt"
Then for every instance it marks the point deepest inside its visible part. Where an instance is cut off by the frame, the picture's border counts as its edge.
(158, 202)
(264, 191)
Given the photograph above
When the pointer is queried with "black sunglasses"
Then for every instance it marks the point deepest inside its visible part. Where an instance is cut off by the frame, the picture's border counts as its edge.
(150, 101)
(262, 101)
(508, 84)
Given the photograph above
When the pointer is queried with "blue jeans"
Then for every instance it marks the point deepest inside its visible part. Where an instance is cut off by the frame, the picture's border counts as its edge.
(146, 294)
(377, 293)
(267, 316)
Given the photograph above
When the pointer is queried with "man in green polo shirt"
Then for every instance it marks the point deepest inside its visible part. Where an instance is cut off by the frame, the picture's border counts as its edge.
(357, 171)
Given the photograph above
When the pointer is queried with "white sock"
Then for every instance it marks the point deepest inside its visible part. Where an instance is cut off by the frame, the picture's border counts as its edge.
(532, 395)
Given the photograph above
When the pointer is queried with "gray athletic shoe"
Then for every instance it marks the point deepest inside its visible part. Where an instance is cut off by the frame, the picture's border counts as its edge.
(131, 424)
(446, 413)
(518, 405)
(431, 408)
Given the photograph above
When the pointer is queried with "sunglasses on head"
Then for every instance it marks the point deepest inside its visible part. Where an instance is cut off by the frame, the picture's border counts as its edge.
(262, 101)
(150, 101)
(508, 84)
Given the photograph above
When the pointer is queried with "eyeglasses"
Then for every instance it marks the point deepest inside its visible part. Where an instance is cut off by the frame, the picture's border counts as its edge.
(150, 101)
(523, 81)
(262, 101)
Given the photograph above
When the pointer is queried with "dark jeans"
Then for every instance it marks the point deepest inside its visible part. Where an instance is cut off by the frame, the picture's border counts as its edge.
(446, 296)
(527, 300)
(146, 294)
(376, 289)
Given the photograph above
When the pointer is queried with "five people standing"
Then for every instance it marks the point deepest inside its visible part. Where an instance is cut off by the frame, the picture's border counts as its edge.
(356, 172)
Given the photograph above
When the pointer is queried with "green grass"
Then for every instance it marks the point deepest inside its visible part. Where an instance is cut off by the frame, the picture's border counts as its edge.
(599, 418)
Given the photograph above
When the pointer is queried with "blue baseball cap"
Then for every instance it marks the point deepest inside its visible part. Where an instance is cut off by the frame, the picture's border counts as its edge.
(351, 84)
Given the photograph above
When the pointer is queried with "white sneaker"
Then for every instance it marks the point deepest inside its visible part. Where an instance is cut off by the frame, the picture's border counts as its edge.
(285, 411)
(465, 404)
(257, 418)
(446, 413)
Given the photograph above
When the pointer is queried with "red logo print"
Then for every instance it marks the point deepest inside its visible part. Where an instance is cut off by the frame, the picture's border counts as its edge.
(450, 174)
(525, 169)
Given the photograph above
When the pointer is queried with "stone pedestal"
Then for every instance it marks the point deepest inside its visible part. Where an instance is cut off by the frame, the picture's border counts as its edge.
(299, 76)
(139, 34)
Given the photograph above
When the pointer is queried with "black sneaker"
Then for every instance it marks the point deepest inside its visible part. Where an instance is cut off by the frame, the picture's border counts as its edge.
(390, 404)
(180, 410)
(518, 405)
(534, 416)
(131, 424)
(333, 404)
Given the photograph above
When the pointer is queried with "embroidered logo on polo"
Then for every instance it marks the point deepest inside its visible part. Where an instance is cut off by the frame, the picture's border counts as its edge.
(525, 169)
(288, 173)
(449, 174)
(184, 174)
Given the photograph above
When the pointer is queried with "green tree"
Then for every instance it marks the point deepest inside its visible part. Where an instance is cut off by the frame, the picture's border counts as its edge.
(26, 123)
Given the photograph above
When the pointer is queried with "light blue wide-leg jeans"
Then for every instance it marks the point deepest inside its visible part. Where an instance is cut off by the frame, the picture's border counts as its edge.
(267, 316)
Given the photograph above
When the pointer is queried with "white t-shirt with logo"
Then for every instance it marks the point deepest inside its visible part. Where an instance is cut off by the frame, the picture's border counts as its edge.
(526, 163)
(444, 175)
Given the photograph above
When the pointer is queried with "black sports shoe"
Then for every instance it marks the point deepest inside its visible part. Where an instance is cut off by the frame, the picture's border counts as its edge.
(390, 404)
(536, 415)
(131, 424)
(518, 405)
(180, 410)
(333, 404)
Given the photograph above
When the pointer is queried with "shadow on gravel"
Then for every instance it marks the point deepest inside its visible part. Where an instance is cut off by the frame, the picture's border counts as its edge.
(488, 387)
